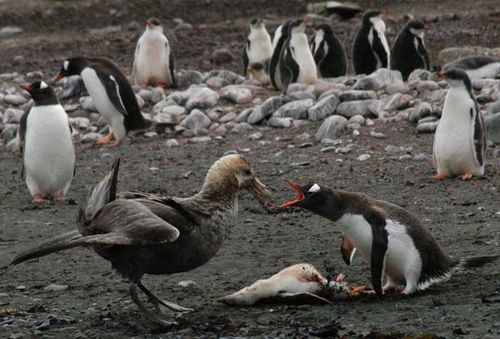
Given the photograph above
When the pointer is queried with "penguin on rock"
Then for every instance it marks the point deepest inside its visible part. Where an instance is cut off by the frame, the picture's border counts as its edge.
(460, 139)
(258, 48)
(296, 63)
(371, 50)
(390, 239)
(154, 58)
(328, 53)
(45, 142)
(409, 52)
(111, 94)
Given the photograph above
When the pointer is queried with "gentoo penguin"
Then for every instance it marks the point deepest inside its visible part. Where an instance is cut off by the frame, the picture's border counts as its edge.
(111, 93)
(390, 239)
(477, 67)
(141, 233)
(409, 52)
(279, 39)
(371, 50)
(257, 71)
(47, 147)
(460, 139)
(258, 49)
(328, 53)
(296, 63)
(154, 59)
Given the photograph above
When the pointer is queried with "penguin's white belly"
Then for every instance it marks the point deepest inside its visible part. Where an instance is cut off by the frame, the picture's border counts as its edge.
(490, 71)
(304, 59)
(261, 49)
(453, 140)
(401, 258)
(151, 63)
(49, 156)
(103, 104)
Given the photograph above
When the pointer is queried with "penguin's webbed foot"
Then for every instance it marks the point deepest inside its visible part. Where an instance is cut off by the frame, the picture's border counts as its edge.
(163, 85)
(440, 176)
(105, 140)
(38, 199)
(115, 144)
(58, 197)
(466, 176)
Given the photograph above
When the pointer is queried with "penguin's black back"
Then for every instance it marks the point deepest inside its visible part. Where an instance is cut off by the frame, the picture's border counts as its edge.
(334, 63)
(363, 59)
(275, 58)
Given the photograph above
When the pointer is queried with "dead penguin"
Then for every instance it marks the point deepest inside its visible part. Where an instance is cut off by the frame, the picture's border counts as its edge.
(46, 144)
(477, 67)
(296, 283)
(141, 233)
(154, 58)
(460, 140)
(390, 239)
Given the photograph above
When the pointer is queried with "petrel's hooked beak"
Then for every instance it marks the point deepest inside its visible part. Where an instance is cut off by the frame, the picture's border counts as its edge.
(260, 192)
(300, 194)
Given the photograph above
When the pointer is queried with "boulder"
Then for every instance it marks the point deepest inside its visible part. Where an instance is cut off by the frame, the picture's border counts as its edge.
(295, 109)
(379, 80)
(331, 128)
(196, 119)
(493, 128)
(265, 110)
(323, 108)
(357, 107)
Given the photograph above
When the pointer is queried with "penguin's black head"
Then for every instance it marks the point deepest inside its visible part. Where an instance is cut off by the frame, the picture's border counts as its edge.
(320, 200)
(71, 66)
(256, 22)
(41, 92)
(456, 77)
(369, 16)
(416, 27)
(297, 26)
(327, 29)
(153, 22)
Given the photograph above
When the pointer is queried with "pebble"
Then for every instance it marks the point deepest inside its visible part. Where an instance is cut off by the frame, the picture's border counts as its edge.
(377, 135)
(55, 287)
(379, 80)
(186, 283)
(420, 157)
(241, 127)
(356, 107)
(405, 157)
(295, 109)
(15, 99)
(333, 142)
(21, 288)
(201, 97)
(196, 119)
(8, 31)
(172, 143)
(12, 115)
(327, 149)
(200, 140)
(216, 82)
(422, 110)
(354, 95)
(265, 110)
(344, 150)
(255, 136)
(90, 137)
(427, 127)
(150, 134)
(363, 157)
(305, 145)
(392, 149)
(323, 108)
(228, 117)
(237, 94)
(331, 128)
(186, 78)
(280, 122)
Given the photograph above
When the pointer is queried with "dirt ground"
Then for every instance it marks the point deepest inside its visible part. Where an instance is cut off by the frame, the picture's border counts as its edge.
(464, 216)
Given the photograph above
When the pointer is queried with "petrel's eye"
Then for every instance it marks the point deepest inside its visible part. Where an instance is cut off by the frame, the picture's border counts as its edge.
(248, 172)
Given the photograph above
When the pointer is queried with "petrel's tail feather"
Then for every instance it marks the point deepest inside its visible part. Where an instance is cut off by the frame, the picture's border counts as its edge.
(477, 261)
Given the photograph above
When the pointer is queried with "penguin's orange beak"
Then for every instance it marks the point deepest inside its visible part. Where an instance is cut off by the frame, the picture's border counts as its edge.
(149, 23)
(27, 88)
(441, 75)
(300, 194)
(58, 77)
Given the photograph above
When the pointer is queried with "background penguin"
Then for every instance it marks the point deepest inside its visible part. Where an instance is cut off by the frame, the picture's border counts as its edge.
(154, 59)
(391, 240)
(371, 50)
(111, 93)
(258, 72)
(279, 39)
(460, 139)
(258, 49)
(328, 53)
(477, 67)
(408, 52)
(296, 63)
(45, 141)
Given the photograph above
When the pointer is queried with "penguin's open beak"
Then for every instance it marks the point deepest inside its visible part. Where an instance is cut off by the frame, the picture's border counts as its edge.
(441, 75)
(58, 77)
(27, 88)
(300, 194)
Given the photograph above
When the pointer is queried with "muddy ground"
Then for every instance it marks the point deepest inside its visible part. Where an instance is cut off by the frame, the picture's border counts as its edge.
(464, 216)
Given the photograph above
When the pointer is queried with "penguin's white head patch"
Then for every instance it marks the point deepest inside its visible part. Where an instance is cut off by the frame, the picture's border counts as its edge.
(378, 24)
(417, 32)
(43, 85)
(65, 65)
(314, 188)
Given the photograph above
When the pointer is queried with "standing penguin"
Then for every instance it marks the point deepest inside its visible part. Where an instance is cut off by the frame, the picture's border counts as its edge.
(460, 139)
(296, 63)
(45, 142)
(328, 52)
(279, 39)
(408, 52)
(154, 59)
(258, 49)
(371, 50)
(390, 239)
(111, 93)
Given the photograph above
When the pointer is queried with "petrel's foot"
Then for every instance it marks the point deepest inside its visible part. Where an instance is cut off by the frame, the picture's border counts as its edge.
(440, 176)
(466, 176)
(105, 140)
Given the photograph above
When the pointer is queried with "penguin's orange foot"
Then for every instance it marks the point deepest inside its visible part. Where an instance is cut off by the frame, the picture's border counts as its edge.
(163, 85)
(113, 145)
(405, 293)
(359, 290)
(38, 199)
(58, 197)
(466, 176)
(440, 176)
(105, 140)
(340, 277)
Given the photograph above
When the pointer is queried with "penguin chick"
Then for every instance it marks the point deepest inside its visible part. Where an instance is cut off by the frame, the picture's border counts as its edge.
(409, 52)
(258, 48)
(46, 145)
(460, 140)
(390, 239)
(328, 53)
(154, 58)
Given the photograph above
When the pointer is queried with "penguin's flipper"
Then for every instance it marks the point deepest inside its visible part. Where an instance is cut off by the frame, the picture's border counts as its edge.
(21, 131)
(423, 52)
(103, 193)
(113, 91)
(348, 250)
(134, 64)
(289, 69)
(379, 49)
(245, 57)
(479, 136)
(320, 54)
(172, 68)
(376, 218)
